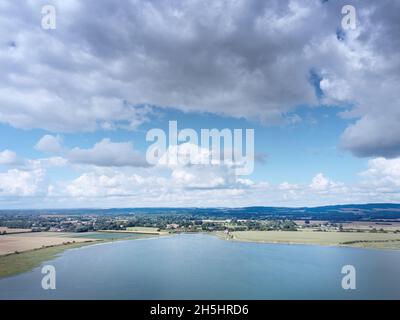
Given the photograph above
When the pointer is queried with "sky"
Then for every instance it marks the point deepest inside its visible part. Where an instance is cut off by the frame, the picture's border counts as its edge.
(77, 101)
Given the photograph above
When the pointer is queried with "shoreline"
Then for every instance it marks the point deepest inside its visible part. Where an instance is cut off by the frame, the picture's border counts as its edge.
(16, 263)
(27, 260)
(12, 264)
(361, 244)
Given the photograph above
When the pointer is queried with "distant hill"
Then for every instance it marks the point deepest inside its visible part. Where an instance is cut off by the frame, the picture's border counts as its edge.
(371, 211)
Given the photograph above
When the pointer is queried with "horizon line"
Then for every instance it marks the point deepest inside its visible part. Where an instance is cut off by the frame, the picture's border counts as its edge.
(216, 207)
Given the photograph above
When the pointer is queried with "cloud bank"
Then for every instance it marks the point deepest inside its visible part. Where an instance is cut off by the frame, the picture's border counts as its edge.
(107, 61)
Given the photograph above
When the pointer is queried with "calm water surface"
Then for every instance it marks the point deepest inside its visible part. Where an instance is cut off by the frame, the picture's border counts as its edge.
(199, 266)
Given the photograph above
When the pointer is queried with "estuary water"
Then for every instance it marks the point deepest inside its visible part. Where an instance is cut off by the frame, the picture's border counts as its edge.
(200, 266)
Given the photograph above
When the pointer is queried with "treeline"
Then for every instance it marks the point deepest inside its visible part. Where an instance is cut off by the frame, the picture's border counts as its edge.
(174, 222)
(355, 212)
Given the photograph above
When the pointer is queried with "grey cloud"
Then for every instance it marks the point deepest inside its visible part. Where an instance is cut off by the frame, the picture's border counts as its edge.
(244, 58)
(375, 86)
(379, 136)
(225, 58)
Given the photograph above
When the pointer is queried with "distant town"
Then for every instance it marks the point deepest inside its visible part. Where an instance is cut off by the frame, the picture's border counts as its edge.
(376, 217)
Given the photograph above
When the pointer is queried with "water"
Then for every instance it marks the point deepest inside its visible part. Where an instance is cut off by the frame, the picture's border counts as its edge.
(198, 266)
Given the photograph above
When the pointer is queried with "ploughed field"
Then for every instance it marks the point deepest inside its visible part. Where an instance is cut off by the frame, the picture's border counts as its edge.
(24, 251)
(14, 243)
(5, 230)
(21, 242)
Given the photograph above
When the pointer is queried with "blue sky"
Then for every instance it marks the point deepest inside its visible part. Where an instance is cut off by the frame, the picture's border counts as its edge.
(290, 152)
(77, 101)
(311, 144)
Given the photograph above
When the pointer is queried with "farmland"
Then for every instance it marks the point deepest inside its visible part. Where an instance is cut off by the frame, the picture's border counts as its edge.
(332, 238)
(24, 251)
(16, 243)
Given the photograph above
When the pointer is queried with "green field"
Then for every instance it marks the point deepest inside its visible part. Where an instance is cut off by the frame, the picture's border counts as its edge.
(143, 229)
(110, 235)
(354, 239)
